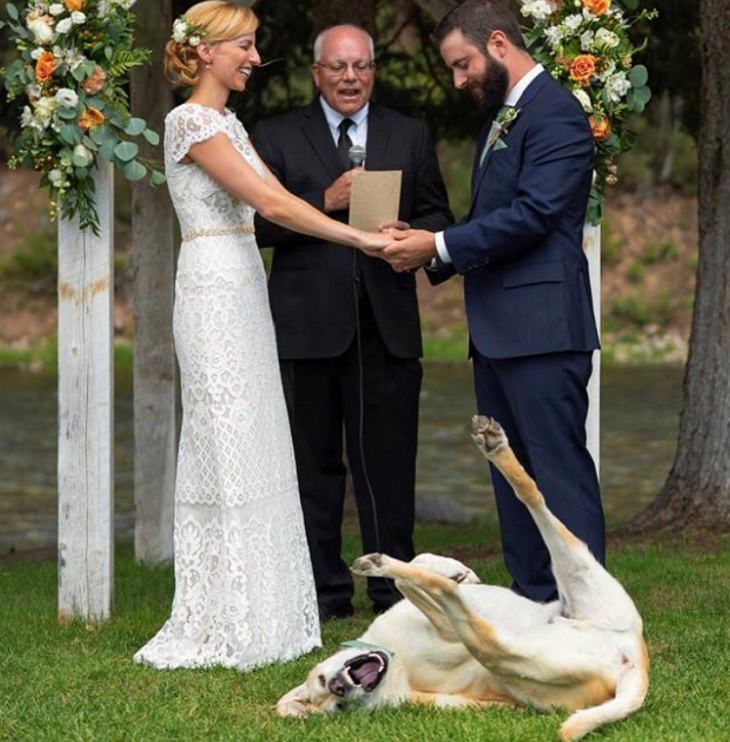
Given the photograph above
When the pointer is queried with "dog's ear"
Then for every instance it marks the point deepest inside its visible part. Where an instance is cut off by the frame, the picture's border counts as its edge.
(295, 703)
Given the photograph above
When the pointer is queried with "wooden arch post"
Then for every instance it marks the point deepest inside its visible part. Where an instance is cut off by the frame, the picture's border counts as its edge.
(86, 411)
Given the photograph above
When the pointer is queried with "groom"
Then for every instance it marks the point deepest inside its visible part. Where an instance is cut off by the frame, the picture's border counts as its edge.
(528, 300)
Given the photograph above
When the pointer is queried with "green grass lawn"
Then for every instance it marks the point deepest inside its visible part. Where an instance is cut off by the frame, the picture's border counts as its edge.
(78, 682)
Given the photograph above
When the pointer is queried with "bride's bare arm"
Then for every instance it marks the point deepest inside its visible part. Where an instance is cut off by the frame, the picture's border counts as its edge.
(222, 161)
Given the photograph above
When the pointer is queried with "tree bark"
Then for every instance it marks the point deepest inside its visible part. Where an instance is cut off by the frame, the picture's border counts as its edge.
(332, 12)
(436, 9)
(697, 491)
(155, 373)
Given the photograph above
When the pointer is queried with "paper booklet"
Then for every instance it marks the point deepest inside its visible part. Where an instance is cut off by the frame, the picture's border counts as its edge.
(374, 198)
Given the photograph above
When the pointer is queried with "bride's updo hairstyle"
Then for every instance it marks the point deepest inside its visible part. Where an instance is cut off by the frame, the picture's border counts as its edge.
(211, 20)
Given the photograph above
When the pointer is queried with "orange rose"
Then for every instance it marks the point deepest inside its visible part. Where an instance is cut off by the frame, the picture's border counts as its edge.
(73, 4)
(91, 117)
(582, 68)
(600, 127)
(597, 7)
(96, 82)
(44, 67)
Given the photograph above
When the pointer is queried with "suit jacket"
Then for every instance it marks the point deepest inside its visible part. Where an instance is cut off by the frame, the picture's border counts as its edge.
(311, 284)
(520, 248)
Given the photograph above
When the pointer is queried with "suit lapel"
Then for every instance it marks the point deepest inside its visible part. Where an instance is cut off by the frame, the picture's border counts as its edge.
(317, 132)
(377, 142)
(525, 99)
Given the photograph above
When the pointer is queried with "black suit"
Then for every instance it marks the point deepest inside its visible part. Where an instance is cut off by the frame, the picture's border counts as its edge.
(318, 291)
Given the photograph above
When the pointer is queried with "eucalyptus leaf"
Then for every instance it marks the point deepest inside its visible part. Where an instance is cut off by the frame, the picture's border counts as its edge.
(70, 114)
(157, 178)
(134, 170)
(101, 134)
(639, 76)
(79, 161)
(106, 150)
(135, 126)
(642, 94)
(70, 134)
(152, 137)
(12, 11)
(81, 172)
(78, 74)
(126, 151)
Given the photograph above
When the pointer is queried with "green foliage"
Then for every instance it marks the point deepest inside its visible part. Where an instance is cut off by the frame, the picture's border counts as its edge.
(635, 272)
(35, 261)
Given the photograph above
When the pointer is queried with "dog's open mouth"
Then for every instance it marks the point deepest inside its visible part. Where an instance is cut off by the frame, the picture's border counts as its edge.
(367, 670)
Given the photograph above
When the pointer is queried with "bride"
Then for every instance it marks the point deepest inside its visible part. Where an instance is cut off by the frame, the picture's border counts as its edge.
(244, 591)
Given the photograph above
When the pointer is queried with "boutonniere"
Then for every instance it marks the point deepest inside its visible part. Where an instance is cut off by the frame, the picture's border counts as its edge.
(500, 126)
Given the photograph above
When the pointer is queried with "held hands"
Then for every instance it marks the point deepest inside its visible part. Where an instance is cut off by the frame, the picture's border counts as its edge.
(409, 249)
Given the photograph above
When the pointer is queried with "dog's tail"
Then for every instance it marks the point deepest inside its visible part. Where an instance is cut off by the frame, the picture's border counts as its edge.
(631, 691)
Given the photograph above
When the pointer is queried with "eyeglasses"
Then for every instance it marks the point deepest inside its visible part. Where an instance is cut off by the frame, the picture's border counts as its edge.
(337, 69)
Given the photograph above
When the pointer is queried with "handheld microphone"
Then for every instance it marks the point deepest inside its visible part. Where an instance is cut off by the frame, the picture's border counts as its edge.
(356, 155)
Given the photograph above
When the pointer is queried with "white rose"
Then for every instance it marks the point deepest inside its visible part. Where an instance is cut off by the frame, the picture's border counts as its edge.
(66, 97)
(617, 86)
(77, 18)
(56, 177)
(606, 39)
(586, 39)
(179, 30)
(83, 155)
(64, 26)
(56, 9)
(573, 22)
(42, 32)
(584, 99)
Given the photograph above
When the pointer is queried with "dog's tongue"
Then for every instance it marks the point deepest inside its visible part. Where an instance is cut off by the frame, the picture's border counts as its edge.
(366, 673)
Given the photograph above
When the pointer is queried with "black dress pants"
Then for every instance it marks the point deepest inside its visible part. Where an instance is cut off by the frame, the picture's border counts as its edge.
(375, 396)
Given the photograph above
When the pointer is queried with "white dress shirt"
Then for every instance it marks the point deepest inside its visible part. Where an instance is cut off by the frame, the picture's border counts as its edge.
(358, 132)
(512, 99)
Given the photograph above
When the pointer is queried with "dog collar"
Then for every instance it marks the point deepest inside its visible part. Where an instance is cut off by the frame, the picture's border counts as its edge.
(358, 644)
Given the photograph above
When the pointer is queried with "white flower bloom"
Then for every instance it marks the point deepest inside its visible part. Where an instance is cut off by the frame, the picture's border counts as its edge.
(586, 40)
(617, 86)
(610, 69)
(606, 39)
(42, 32)
(56, 177)
(539, 10)
(584, 99)
(64, 26)
(82, 154)
(77, 17)
(56, 9)
(43, 113)
(194, 40)
(179, 30)
(126, 4)
(554, 35)
(587, 15)
(573, 22)
(26, 117)
(103, 8)
(37, 52)
(33, 92)
(67, 97)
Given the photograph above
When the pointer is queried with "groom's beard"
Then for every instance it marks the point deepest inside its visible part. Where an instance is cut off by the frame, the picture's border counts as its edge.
(490, 90)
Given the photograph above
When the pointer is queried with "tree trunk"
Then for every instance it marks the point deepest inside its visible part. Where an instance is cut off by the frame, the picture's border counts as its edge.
(331, 12)
(697, 492)
(436, 9)
(153, 235)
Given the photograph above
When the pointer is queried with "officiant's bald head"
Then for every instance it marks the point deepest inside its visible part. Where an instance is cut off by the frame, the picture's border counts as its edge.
(344, 67)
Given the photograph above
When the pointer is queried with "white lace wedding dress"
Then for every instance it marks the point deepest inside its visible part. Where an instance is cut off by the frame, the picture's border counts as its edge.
(244, 590)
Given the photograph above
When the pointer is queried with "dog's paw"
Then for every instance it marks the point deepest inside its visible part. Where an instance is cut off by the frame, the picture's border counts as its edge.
(446, 567)
(488, 434)
(371, 565)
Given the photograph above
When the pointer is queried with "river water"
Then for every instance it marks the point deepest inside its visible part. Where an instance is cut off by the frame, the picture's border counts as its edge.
(639, 408)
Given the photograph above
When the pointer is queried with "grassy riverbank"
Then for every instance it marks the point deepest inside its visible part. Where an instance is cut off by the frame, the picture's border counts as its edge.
(78, 682)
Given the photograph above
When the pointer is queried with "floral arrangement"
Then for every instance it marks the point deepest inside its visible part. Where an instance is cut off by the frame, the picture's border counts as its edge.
(73, 58)
(585, 45)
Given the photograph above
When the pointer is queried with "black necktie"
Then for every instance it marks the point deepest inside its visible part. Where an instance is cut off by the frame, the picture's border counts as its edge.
(344, 143)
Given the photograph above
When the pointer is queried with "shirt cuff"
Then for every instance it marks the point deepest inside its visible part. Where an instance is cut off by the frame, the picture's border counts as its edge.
(441, 247)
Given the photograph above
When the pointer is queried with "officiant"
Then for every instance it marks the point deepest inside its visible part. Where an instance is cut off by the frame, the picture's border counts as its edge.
(347, 325)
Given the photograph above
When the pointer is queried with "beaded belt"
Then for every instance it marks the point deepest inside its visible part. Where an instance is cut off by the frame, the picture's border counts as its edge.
(239, 228)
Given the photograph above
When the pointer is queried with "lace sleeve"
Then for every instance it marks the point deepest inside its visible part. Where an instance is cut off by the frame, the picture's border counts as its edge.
(187, 125)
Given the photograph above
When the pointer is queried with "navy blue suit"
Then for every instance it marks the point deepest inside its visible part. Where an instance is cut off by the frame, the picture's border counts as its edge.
(530, 315)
